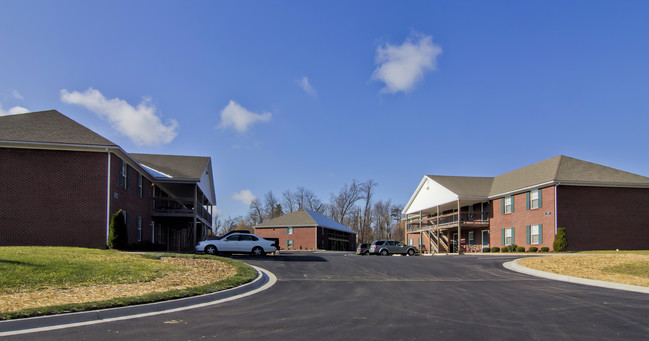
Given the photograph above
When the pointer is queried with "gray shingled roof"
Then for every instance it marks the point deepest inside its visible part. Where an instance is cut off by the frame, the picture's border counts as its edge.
(305, 218)
(48, 127)
(557, 169)
(176, 166)
(465, 185)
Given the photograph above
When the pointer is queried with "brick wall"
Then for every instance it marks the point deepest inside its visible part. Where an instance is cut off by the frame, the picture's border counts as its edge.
(302, 236)
(604, 218)
(128, 200)
(521, 217)
(50, 197)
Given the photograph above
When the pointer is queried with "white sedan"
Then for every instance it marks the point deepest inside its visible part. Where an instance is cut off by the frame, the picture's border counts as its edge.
(237, 243)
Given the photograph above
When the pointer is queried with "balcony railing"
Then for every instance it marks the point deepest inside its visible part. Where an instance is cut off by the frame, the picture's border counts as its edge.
(179, 207)
(448, 221)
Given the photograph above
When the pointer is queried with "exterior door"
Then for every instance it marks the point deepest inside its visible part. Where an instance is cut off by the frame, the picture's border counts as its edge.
(454, 242)
(485, 239)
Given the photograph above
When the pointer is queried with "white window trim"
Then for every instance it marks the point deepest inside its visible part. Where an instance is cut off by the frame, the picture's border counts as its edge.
(534, 199)
(537, 234)
(508, 235)
(508, 205)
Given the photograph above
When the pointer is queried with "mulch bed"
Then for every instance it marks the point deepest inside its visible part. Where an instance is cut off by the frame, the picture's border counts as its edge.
(590, 266)
(194, 273)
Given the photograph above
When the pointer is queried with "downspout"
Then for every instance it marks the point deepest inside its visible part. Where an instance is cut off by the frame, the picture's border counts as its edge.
(107, 197)
(556, 216)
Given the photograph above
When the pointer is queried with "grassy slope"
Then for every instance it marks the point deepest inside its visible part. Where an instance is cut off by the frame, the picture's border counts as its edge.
(30, 268)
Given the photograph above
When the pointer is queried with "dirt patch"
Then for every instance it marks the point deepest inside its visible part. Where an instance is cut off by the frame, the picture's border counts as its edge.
(194, 273)
(596, 267)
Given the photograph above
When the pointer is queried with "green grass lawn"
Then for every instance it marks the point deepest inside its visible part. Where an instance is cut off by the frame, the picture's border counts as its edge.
(32, 268)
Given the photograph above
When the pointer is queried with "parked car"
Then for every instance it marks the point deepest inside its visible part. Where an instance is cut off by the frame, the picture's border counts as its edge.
(388, 247)
(363, 249)
(227, 234)
(237, 243)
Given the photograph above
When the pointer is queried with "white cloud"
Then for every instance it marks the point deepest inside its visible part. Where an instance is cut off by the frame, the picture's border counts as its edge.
(304, 84)
(245, 196)
(240, 118)
(402, 66)
(141, 124)
(16, 94)
(13, 111)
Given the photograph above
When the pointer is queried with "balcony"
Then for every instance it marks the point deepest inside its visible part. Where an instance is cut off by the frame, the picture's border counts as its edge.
(446, 221)
(179, 207)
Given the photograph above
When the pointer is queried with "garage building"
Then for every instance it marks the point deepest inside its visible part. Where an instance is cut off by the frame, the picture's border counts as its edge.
(308, 230)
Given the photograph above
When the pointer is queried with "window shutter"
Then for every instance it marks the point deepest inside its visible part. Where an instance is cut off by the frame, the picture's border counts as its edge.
(527, 200)
(513, 236)
(528, 235)
(540, 229)
(540, 199)
(502, 206)
(502, 236)
(128, 175)
(512, 204)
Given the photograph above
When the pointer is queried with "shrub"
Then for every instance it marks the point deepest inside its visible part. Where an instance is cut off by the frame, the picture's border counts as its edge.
(512, 247)
(117, 237)
(495, 249)
(520, 249)
(486, 249)
(560, 240)
(545, 249)
(505, 249)
(534, 249)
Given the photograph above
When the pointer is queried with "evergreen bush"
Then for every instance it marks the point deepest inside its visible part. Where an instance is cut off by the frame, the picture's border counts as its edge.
(495, 249)
(534, 249)
(505, 249)
(545, 249)
(512, 248)
(486, 249)
(520, 249)
(117, 237)
(560, 240)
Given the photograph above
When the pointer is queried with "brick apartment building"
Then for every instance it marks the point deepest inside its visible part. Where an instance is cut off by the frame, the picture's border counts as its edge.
(308, 230)
(60, 184)
(600, 207)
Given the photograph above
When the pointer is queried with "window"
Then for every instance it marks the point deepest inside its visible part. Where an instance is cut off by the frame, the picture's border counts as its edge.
(534, 199)
(471, 238)
(126, 221)
(139, 229)
(140, 190)
(410, 242)
(289, 230)
(507, 236)
(535, 234)
(509, 204)
(123, 169)
(289, 243)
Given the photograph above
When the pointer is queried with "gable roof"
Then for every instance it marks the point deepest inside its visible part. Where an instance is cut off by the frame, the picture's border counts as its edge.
(48, 127)
(564, 169)
(305, 218)
(559, 169)
(175, 166)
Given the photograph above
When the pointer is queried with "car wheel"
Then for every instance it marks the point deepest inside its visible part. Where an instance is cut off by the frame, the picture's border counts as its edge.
(411, 252)
(366, 253)
(211, 250)
(384, 252)
(257, 251)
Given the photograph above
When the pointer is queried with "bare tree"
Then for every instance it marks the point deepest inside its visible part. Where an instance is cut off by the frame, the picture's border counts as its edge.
(365, 228)
(256, 213)
(398, 231)
(271, 206)
(383, 226)
(344, 202)
(291, 203)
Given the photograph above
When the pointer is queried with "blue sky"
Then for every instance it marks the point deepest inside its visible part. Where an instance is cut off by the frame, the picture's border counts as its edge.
(282, 94)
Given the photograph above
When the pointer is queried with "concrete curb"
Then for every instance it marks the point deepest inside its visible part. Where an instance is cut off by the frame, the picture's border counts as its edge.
(514, 266)
(265, 279)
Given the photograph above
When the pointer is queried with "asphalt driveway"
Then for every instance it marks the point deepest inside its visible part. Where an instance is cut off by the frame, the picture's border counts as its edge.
(335, 296)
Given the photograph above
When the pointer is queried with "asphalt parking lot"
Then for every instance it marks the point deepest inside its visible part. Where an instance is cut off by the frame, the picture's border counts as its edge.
(337, 296)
